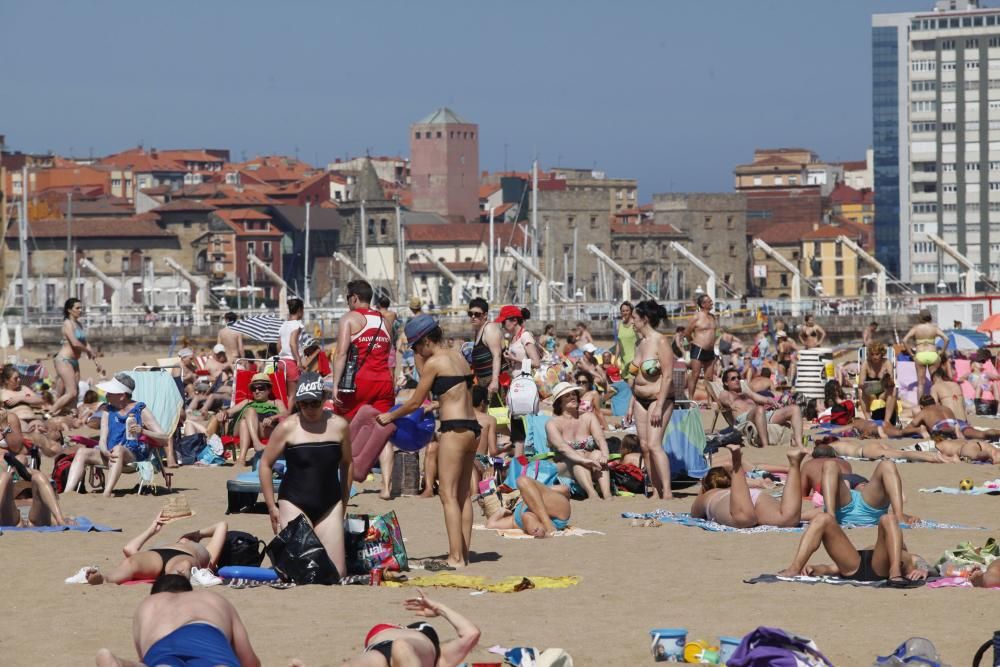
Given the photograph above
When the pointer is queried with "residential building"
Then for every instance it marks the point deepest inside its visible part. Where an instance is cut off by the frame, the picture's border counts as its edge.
(390, 169)
(255, 234)
(314, 189)
(568, 220)
(643, 249)
(832, 264)
(715, 228)
(325, 225)
(860, 174)
(936, 115)
(275, 170)
(854, 205)
(444, 153)
(787, 167)
(621, 193)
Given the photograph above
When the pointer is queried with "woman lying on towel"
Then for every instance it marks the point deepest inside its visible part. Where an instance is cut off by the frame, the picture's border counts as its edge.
(417, 644)
(177, 558)
(578, 441)
(726, 498)
(541, 511)
(887, 560)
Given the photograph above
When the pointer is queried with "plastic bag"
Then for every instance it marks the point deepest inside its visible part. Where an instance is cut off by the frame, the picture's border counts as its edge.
(298, 556)
(374, 543)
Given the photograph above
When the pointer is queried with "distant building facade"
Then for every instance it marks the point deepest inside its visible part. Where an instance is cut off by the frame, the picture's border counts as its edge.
(444, 154)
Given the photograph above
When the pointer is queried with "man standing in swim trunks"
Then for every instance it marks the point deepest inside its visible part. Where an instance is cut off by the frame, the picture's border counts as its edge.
(176, 625)
(231, 339)
(700, 332)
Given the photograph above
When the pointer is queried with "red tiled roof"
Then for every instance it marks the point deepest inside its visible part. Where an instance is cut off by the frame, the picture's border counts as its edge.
(486, 190)
(195, 155)
(242, 214)
(299, 185)
(457, 267)
(142, 162)
(845, 194)
(276, 168)
(462, 232)
(788, 233)
(184, 205)
(132, 227)
(854, 165)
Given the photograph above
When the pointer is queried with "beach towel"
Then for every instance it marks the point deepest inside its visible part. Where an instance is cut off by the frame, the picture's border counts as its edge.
(518, 534)
(962, 367)
(955, 582)
(83, 525)
(812, 581)
(536, 439)
(685, 519)
(505, 585)
(159, 392)
(684, 443)
(906, 382)
(620, 401)
(975, 491)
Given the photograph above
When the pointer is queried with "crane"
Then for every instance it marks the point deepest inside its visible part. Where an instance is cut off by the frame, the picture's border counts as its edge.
(881, 293)
(115, 285)
(269, 272)
(201, 296)
(971, 272)
(797, 276)
(627, 279)
(710, 280)
(544, 284)
(457, 286)
(351, 266)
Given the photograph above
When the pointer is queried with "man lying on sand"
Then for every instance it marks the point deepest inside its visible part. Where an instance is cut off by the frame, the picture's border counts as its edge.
(177, 558)
(934, 418)
(178, 626)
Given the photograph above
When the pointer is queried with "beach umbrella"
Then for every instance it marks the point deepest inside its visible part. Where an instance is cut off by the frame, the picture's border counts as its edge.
(966, 339)
(264, 328)
(18, 338)
(990, 324)
(4, 336)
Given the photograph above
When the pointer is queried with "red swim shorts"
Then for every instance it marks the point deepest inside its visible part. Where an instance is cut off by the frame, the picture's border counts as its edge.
(379, 394)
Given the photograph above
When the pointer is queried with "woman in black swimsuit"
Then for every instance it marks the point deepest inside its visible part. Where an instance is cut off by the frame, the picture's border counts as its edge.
(177, 558)
(447, 375)
(316, 445)
(418, 643)
(487, 347)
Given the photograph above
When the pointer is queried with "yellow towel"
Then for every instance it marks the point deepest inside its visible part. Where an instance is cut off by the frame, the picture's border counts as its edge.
(506, 585)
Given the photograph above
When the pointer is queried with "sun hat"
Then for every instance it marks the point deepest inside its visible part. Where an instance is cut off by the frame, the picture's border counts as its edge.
(113, 386)
(564, 388)
(415, 303)
(219, 348)
(418, 327)
(590, 347)
(310, 387)
(508, 312)
(260, 377)
(185, 353)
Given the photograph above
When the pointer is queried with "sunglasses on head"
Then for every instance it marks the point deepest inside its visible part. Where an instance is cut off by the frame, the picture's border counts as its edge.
(476, 313)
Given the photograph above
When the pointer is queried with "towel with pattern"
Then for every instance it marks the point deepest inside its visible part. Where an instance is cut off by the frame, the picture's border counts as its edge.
(975, 491)
(812, 581)
(685, 519)
(506, 585)
(518, 534)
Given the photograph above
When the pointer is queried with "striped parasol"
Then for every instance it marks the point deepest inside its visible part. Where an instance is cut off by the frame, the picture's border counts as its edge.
(264, 328)
(966, 339)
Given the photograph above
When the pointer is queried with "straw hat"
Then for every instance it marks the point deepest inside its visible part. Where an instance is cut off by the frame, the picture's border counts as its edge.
(564, 388)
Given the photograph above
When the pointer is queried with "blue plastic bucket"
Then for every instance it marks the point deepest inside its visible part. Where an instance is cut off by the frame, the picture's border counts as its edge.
(728, 646)
(668, 644)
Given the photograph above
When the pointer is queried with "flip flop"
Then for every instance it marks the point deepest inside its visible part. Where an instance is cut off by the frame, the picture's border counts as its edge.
(437, 566)
(903, 582)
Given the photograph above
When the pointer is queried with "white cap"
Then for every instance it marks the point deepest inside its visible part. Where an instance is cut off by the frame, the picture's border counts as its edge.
(219, 348)
(113, 386)
(590, 347)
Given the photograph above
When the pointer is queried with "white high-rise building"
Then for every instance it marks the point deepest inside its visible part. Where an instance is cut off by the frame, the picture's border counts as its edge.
(936, 125)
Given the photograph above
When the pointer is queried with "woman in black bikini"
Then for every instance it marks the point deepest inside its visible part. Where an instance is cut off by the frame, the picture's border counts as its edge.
(417, 644)
(447, 375)
(316, 445)
(177, 558)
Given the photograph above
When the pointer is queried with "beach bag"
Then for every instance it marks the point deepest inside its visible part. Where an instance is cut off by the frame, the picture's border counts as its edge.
(499, 412)
(522, 397)
(298, 556)
(773, 647)
(914, 651)
(628, 477)
(374, 542)
(543, 471)
(60, 472)
(242, 548)
(188, 448)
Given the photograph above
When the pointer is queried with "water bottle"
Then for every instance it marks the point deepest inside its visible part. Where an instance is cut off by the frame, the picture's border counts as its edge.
(130, 423)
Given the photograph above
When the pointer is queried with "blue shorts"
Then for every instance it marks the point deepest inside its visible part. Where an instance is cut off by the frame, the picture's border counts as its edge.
(522, 507)
(859, 512)
(138, 448)
(192, 645)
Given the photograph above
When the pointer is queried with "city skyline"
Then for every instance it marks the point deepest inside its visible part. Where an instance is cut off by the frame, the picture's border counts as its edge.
(582, 85)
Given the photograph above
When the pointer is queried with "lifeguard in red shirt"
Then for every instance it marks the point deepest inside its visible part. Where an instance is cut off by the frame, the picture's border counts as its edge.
(367, 356)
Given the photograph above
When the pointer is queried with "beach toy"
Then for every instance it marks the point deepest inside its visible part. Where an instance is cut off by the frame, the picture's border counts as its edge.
(966, 484)
(700, 652)
(248, 572)
(668, 644)
(728, 646)
(413, 431)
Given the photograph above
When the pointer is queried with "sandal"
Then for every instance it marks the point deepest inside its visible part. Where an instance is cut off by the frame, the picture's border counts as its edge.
(903, 582)
(432, 565)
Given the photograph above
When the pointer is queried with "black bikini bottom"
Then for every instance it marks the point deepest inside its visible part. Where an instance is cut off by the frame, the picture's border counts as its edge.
(461, 425)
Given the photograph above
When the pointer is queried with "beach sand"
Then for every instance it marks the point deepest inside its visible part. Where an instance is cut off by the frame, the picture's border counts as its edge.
(631, 580)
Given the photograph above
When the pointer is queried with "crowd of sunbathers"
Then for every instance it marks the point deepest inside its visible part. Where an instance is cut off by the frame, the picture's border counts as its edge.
(609, 413)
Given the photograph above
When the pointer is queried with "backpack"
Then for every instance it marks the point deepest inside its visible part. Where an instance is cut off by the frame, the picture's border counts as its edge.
(60, 472)
(522, 396)
(628, 477)
(241, 549)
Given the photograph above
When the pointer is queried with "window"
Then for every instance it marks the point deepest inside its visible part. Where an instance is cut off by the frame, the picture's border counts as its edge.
(665, 251)
(947, 166)
(704, 250)
(838, 268)
(730, 222)
(593, 222)
(925, 207)
(439, 135)
(972, 166)
(383, 226)
(926, 66)
(571, 222)
(732, 250)
(949, 66)
(633, 251)
(757, 181)
(923, 86)
(949, 187)
(784, 279)
(793, 180)
(971, 64)
(947, 85)
(708, 222)
(371, 226)
(948, 44)
(778, 180)
(416, 135)
(924, 105)
(265, 248)
(251, 248)
(972, 43)
(924, 127)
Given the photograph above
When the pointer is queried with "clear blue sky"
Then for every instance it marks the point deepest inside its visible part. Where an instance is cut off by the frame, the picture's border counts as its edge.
(674, 94)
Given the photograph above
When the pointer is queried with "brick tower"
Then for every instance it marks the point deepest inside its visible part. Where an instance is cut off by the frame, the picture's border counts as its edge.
(444, 166)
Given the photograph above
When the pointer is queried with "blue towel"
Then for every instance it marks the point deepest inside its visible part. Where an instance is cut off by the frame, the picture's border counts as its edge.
(684, 442)
(685, 519)
(620, 401)
(83, 525)
(535, 437)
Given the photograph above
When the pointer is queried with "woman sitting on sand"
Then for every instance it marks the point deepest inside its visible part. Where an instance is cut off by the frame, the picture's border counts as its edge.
(177, 558)
(726, 497)
(418, 645)
(578, 441)
(22, 401)
(590, 398)
(541, 512)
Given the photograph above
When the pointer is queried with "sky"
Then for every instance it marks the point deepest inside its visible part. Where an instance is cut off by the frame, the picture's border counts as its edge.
(672, 93)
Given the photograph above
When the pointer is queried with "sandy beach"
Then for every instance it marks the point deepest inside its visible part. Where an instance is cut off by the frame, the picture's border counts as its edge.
(631, 580)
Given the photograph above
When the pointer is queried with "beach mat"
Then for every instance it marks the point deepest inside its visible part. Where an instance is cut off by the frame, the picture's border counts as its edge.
(506, 585)
(685, 519)
(518, 534)
(83, 525)
(812, 581)
(975, 491)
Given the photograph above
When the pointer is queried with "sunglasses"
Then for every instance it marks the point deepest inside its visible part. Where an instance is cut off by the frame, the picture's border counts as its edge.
(476, 313)
(260, 387)
(309, 405)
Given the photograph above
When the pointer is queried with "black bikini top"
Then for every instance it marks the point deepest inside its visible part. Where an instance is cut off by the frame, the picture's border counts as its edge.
(443, 383)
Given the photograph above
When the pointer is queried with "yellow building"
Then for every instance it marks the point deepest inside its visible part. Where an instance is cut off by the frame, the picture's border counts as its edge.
(835, 265)
(855, 205)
